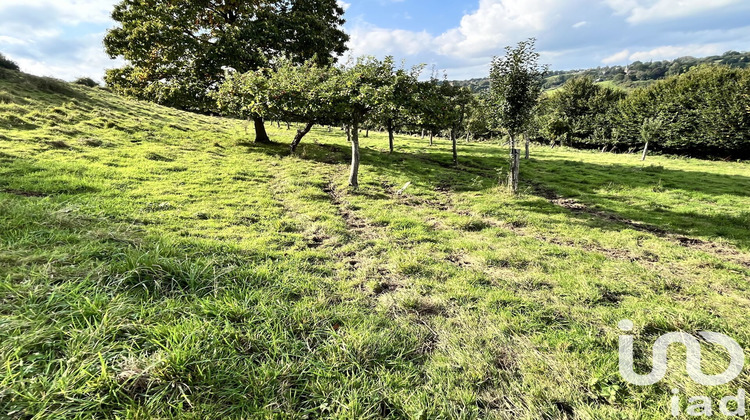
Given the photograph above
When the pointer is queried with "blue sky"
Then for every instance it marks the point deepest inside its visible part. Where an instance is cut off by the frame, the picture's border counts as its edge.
(62, 38)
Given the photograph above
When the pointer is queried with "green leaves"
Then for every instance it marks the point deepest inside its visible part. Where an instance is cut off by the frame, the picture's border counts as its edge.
(702, 113)
(515, 85)
(177, 52)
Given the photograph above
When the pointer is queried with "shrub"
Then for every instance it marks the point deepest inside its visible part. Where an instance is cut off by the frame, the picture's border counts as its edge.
(8, 64)
(86, 81)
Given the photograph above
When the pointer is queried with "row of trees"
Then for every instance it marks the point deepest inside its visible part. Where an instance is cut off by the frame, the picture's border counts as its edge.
(703, 113)
(275, 59)
(374, 93)
(367, 93)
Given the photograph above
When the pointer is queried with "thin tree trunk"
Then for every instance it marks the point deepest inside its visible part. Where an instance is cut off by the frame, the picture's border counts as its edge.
(354, 174)
(260, 131)
(515, 165)
(288, 125)
(431, 136)
(278, 124)
(645, 152)
(526, 137)
(455, 149)
(512, 144)
(468, 135)
(423, 133)
(300, 134)
(367, 133)
(390, 137)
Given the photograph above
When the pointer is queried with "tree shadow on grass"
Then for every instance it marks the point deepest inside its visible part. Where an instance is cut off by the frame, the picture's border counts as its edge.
(583, 181)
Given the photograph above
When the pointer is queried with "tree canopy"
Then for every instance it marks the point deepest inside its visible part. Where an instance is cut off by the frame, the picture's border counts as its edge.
(177, 51)
(516, 84)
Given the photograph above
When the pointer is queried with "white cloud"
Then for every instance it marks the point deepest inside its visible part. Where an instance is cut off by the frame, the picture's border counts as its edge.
(620, 57)
(484, 32)
(371, 40)
(640, 11)
(67, 11)
(497, 23)
(61, 38)
(672, 52)
(580, 24)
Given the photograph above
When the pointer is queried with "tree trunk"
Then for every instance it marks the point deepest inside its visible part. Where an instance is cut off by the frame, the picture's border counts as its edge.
(354, 174)
(526, 138)
(300, 134)
(645, 152)
(367, 133)
(431, 136)
(260, 131)
(455, 150)
(288, 125)
(512, 144)
(390, 137)
(423, 133)
(468, 135)
(278, 124)
(515, 166)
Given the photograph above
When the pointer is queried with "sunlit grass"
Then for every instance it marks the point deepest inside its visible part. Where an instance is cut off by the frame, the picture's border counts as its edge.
(155, 263)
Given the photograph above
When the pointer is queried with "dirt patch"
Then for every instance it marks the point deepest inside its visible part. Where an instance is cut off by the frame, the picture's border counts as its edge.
(58, 144)
(23, 193)
(573, 205)
(354, 223)
(158, 158)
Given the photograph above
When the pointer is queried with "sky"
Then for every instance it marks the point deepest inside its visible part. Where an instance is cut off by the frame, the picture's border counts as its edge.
(63, 38)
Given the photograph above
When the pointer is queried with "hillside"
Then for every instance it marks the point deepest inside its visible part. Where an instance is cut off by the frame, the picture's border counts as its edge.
(153, 263)
(634, 75)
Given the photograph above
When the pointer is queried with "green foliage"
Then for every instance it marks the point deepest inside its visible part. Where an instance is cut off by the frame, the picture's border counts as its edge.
(364, 88)
(515, 86)
(177, 52)
(6, 63)
(583, 111)
(704, 113)
(400, 105)
(86, 81)
(478, 120)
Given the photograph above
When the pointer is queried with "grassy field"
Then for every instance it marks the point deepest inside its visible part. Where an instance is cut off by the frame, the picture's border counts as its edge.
(156, 264)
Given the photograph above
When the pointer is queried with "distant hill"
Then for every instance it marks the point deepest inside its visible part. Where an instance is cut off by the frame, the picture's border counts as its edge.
(634, 75)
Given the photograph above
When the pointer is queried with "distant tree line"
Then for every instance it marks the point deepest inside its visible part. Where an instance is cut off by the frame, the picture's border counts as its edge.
(637, 74)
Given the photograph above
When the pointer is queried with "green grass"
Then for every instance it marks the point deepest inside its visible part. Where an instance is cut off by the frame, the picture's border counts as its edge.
(156, 264)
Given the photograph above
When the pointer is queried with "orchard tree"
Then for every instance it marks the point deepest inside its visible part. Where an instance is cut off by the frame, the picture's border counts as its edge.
(516, 81)
(399, 101)
(478, 118)
(454, 109)
(360, 90)
(428, 108)
(515, 86)
(290, 92)
(177, 51)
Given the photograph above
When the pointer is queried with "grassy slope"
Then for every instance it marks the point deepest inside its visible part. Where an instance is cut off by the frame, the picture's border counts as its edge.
(153, 263)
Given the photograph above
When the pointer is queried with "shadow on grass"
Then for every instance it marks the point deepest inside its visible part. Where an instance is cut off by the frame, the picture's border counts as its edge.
(582, 180)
